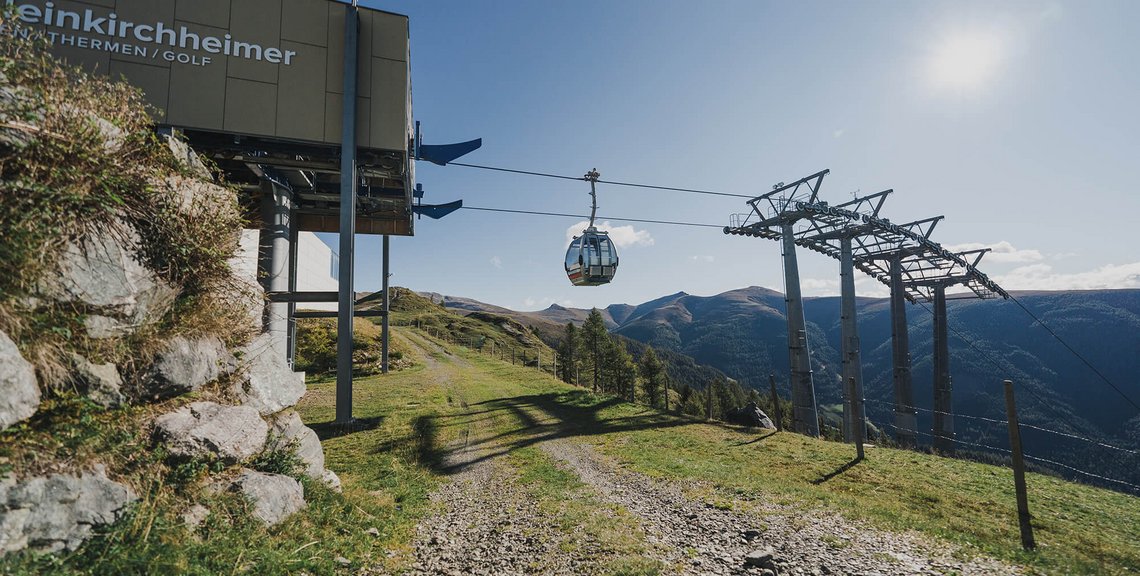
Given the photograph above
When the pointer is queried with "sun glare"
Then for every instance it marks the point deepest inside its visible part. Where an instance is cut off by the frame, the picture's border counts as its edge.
(965, 62)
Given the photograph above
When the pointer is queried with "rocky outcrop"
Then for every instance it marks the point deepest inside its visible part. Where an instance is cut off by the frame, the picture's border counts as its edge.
(274, 497)
(750, 415)
(267, 382)
(58, 512)
(19, 393)
(288, 432)
(205, 429)
(185, 365)
(99, 382)
(19, 115)
(187, 158)
(248, 292)
(102, 276)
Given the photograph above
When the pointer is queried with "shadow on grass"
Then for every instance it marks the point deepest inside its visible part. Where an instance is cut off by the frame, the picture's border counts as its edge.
(757, 439)
(334, 429)
(574, 413)
(837, 471)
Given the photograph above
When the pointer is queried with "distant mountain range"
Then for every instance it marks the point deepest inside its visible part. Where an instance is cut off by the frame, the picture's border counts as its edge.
(743, 333)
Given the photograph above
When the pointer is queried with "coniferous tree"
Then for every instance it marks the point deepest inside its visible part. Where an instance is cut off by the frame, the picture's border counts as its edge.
(623, 370)
(652, 377)
(568, 352)
(595, 339)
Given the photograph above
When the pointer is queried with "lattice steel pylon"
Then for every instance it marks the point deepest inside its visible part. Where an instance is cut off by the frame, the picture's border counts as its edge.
(902, 256)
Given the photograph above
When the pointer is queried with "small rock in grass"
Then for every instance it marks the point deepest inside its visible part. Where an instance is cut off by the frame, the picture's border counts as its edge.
(763, 558)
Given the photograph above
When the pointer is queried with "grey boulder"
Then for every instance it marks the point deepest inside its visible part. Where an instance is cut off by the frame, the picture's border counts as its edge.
(268, 383)
(99, 382)
(287, 432)
(185, 365)
(58, 512)
(19, 393)
(187, 158)
(750, 415)
(231, 433)
(274, 497)
(247, 292)
(102, 276)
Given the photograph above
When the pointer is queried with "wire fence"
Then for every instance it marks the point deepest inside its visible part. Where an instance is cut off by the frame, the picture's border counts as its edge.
(1044, 463)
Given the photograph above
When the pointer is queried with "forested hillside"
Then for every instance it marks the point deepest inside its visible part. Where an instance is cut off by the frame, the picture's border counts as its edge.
(743, 333)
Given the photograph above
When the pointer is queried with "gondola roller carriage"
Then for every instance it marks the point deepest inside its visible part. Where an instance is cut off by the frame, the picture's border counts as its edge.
(592, 258)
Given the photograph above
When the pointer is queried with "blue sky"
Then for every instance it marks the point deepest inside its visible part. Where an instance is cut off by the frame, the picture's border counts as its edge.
(1017, 121)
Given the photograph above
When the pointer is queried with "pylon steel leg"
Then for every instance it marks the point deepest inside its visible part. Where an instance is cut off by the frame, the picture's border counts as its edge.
(943, 406)
(804, 417)
(849, 334)
(905, 421)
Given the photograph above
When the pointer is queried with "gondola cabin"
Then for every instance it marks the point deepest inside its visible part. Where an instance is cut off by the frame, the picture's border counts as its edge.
(591, 259)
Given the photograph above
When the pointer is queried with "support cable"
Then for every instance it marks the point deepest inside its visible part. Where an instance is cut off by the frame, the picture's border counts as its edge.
(640, 220)
(1007, 369)
(610, 182)
(1075, 353)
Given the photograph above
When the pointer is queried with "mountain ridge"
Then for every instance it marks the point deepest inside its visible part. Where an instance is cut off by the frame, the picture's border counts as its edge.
(743, 333)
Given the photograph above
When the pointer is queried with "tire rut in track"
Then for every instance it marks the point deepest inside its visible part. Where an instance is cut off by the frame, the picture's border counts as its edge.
(695, 538)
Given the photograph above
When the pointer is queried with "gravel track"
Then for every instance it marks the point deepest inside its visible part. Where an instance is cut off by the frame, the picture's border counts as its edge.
(483, 523)
(695, 538)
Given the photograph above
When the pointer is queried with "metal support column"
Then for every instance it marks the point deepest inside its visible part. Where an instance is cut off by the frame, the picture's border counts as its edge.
(943, 406)
(347, 219)
(849, 334)
(905, 421)
(387, 302)
(804, 417)
(276, 207)
(291, 335)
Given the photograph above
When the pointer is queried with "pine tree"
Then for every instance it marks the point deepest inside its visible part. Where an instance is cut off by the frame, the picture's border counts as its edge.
(623, 371)
(652, 376)
(568, 351)
(595, 338)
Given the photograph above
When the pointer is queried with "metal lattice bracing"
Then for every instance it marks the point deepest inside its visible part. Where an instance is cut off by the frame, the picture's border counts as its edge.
(901, 256)
(875, 240)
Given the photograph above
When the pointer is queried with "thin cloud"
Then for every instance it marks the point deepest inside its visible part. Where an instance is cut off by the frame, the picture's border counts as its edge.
(622, 236)
(545, 302)
(838, 133)
(1001, 253)
(703, 258)
(1042, 277)
(496, 262)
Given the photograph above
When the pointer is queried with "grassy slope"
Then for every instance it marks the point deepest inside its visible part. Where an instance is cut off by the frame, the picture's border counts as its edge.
(391, 462)
(1079, 529)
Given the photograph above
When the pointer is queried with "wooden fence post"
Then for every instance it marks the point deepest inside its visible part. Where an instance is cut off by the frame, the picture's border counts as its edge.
(1018, 470)
(775, 402)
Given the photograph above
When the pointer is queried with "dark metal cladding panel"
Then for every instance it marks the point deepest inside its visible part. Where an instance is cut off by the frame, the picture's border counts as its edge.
(241, 118)
(154, 81)
(256, 22)
(208, 12)
(305, 21)
(293, 47)
(197, 93)
(389, 107)
(298, 97)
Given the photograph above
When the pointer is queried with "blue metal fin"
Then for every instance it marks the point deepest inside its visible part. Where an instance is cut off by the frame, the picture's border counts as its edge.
(437, 211)
(443, 153)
